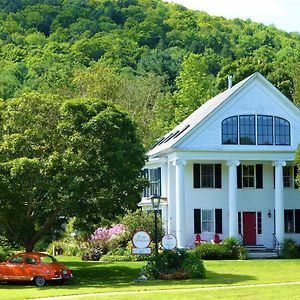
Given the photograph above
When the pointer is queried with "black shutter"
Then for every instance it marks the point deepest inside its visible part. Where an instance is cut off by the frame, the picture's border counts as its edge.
(274, 177)
(239, 176)
(218, 176)
(197, 220)
(218, 216)
(295, 176)
(146, 176)
(239, 222)
(196, 176)
(159, 181)
(297, 220)
(259, 176)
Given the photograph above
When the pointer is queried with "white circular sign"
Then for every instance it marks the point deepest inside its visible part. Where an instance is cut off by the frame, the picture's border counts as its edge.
(141, 239)
(169, 242)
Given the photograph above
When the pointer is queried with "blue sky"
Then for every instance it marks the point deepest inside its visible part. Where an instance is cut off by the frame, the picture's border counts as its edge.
(284, 14)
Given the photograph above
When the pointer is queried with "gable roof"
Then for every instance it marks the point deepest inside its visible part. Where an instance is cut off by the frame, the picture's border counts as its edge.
(174, 136)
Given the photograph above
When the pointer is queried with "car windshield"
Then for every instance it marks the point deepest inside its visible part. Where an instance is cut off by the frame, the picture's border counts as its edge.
(47, 259)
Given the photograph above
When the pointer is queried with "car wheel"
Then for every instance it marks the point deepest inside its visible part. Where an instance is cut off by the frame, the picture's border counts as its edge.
(39, 281)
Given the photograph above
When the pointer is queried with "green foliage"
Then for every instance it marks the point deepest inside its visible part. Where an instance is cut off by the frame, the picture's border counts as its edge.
(180, 264)
(5, 253)
(229, 249)
(153, 48)
(290, 249)
(140, 220)
(64, 158)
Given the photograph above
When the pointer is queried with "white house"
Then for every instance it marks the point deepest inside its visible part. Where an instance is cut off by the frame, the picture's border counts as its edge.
(229, 168)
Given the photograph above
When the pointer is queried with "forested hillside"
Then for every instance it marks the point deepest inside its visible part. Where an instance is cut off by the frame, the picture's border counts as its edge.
(158, 61)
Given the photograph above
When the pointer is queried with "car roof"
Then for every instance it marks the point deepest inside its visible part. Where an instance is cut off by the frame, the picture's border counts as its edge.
(34, 254)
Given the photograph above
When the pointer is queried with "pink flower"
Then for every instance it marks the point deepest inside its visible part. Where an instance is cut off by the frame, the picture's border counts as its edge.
(105, 234)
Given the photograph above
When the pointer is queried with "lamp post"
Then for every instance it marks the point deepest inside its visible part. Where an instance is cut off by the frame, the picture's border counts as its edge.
(155, 200)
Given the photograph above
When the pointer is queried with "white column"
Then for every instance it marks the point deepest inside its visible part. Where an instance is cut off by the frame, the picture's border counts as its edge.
(279, 208)
(170, 201)
(232, 195)
(180, 204)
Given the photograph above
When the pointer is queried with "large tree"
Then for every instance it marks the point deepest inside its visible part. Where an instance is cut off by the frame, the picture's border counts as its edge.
(64, 158)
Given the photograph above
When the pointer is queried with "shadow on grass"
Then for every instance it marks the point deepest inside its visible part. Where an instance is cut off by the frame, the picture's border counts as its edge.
(117, 276)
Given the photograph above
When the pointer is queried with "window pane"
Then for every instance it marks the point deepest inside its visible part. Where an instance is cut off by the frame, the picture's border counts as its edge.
(287, 176)
(230, 131)
(289, 221)
(248, 176)
(282, 132)
(155, 184)
(207, 175)
(247, 130)
(207, 220)
(264, 130)
(259, 222)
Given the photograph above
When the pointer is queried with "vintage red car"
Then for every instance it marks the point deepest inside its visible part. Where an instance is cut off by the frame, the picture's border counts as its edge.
(38, 267)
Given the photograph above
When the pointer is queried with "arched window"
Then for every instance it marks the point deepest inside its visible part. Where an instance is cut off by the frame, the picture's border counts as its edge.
(282, 132)
(256, 130)
(230, 131)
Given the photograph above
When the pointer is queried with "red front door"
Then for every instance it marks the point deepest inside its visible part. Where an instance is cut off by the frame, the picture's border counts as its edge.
(249, 228)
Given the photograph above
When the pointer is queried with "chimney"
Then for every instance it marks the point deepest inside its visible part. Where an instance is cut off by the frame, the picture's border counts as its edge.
(230, 80)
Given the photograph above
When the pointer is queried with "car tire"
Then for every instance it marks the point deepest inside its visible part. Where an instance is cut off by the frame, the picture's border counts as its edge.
(39, 281)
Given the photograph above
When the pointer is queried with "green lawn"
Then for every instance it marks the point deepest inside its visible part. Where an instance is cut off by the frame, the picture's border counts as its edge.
(96, 277)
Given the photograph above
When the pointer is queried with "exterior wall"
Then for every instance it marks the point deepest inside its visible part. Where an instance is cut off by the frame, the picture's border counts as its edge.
(248, 200)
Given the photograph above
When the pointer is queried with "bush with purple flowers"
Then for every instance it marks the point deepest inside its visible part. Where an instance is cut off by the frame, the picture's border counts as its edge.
(100, 240)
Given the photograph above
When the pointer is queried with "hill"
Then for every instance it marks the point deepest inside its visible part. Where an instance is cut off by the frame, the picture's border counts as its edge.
(159, 61)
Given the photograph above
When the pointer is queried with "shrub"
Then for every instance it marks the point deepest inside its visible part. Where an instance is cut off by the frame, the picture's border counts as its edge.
(234, 247)
(99, 243)
(180, 264)
(140, 220)
(5, 253)
(230, 249)
(290, 249)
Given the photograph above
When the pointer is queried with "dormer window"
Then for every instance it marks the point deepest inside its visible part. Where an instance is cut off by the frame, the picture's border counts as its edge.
(255, 130)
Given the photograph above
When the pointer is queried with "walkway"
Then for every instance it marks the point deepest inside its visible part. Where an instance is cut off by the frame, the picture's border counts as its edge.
(105, 294)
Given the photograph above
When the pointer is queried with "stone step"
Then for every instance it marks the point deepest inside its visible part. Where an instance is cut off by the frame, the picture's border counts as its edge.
(260, 252)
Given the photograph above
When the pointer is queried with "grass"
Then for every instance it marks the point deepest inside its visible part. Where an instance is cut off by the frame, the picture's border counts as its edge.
(96, 277)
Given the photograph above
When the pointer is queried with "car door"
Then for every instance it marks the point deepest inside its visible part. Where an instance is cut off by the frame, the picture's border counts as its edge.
(31, 268)
(15, 268)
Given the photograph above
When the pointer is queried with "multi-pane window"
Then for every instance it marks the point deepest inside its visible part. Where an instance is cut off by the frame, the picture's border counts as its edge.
(287, 176)
(282, 132)
(154, 178)
(264, 130)
(207, 175)
(292, 220)
(230, 131)
(255, 130)
(259, 223)
(289, 221)
(248, 176)
(247, 130)
(207, 220)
